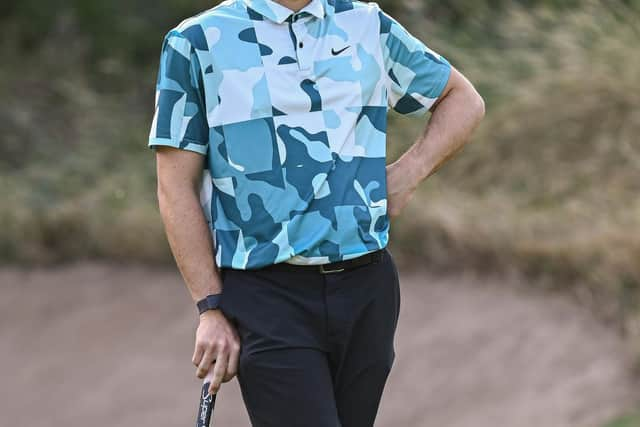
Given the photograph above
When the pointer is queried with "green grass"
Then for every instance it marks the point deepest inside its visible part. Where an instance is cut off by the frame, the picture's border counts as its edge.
(632, 420)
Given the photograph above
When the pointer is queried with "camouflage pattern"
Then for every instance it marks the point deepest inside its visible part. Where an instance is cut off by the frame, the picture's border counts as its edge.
(290, 110)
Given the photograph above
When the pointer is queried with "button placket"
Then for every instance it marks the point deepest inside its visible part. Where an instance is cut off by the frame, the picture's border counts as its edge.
(302, 48)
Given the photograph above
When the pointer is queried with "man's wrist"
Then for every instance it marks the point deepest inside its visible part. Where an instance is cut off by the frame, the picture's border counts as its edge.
(209, 315)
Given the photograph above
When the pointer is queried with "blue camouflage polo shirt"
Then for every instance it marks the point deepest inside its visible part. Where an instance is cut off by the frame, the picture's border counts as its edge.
(290, 110)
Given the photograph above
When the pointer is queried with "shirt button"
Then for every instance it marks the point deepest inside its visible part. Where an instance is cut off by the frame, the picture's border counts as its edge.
(300, 45)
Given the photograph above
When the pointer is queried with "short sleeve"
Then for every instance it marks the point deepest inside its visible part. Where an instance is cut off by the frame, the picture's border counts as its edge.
(416, 75)
(180, 118)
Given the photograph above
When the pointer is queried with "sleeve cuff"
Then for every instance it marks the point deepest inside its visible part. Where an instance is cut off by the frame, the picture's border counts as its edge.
(185, 144)
(417, 104)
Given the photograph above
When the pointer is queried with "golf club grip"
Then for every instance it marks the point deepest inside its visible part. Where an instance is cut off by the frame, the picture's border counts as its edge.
(207, 402)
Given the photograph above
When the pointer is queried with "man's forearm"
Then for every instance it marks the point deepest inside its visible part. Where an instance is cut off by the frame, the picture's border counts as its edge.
(190, 240)
(450, 127)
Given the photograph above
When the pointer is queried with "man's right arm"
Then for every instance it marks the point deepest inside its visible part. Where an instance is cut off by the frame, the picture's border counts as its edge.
(179, 179)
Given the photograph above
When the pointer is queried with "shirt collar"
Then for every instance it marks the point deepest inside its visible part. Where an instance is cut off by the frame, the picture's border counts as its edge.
(278, 13)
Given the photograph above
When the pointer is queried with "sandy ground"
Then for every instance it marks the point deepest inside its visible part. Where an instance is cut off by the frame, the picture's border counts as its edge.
(99, 345)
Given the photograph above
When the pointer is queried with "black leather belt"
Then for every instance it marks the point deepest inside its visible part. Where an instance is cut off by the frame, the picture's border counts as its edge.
(332, 267)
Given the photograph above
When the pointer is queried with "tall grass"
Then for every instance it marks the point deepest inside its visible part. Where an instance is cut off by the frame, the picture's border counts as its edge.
(550, 186)
(76, 178)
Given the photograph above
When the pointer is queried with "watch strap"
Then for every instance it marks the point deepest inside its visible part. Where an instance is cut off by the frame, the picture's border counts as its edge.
(211, 302)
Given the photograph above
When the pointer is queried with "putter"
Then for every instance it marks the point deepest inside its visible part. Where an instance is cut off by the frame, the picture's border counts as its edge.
(207, 402)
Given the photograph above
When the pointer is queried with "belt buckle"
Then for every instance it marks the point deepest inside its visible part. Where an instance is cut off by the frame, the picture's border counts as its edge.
(324, 271)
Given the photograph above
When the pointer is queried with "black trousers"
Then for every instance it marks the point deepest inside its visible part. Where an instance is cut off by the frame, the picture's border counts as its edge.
(316, 348)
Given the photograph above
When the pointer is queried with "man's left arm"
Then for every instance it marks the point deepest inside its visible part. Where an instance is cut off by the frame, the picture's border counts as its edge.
(459, 110)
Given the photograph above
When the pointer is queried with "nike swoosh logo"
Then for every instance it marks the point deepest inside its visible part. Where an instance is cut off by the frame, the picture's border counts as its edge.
(338, 52)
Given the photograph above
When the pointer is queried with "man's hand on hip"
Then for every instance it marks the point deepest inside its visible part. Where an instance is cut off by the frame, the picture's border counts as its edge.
(217, 347)
(401, 185)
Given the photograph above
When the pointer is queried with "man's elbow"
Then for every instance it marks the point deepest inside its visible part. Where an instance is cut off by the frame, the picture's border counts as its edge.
(477, 105)
(164, 184)
(171, 192)
(482, 109)
(164, 193)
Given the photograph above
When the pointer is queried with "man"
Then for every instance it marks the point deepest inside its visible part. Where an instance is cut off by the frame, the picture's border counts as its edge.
(284, 105)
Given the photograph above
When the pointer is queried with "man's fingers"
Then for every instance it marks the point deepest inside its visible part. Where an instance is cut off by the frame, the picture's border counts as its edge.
(205, 363)
(232, 366)
(219, 370)
(198, 352)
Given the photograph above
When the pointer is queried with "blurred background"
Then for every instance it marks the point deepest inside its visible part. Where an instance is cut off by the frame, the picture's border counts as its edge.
(521, 257)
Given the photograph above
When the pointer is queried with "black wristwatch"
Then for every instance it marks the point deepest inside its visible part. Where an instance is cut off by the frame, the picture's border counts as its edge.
(211, 302)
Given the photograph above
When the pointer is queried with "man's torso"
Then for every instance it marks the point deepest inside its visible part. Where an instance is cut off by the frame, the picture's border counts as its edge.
(297, 115)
